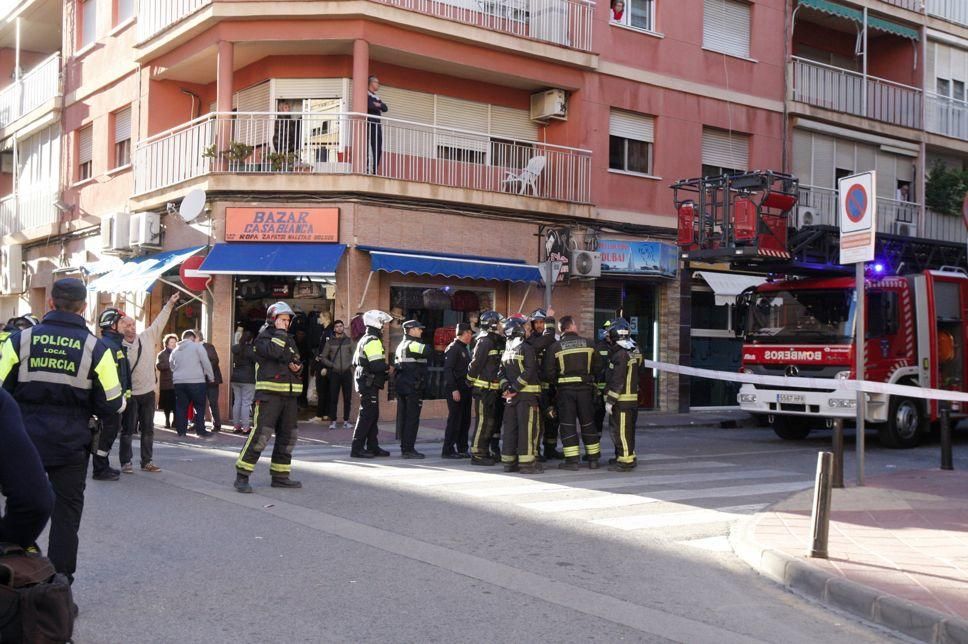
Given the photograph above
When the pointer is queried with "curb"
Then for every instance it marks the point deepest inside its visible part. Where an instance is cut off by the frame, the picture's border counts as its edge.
(919, 622)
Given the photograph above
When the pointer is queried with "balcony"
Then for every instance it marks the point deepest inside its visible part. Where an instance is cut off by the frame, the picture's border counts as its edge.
(343, 145)
(31, 208)
(946, 116)
(955, 11)
(33, 90)
(848, 92)
(910, 5)
(561, 22)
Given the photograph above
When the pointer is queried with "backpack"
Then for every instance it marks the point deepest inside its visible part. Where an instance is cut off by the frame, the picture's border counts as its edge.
(36, 604)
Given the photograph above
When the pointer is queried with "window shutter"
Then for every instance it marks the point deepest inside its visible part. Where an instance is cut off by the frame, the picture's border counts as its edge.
(726, 27)
(88, 22)
(886, 175)
(629, 125)
(253, 99)
(408, 105)
(510, 123)
(290, 88)
(462, 115)
(122, 125)
(724, 149)
(823, 161)
(865, 157)
(846, 158)
(803, 157)
(85, 145)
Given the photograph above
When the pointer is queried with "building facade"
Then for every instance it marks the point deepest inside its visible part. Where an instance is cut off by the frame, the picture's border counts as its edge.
(136, 134)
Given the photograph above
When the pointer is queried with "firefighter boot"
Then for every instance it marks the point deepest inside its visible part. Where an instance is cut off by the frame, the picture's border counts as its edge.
(242, 483)
(593, 462)
(484, 460)
(551, 452)
(622, 467)
(285, 481)
(534, 467)
(570, 463)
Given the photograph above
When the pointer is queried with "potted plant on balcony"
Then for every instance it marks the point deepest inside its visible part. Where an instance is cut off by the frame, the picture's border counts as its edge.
(282, 161)
(945, 189)
(235, 154)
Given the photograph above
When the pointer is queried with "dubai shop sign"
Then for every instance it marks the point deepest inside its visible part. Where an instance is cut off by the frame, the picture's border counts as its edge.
(319, 225)
(638, 257)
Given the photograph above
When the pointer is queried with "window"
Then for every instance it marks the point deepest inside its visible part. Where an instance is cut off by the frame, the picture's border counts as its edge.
(125, 11)
(726, 27)
(634, 13)
(882, 314)
(630, 139)
(958, 90)
(88, 25)
(122, 137)
(85, 165)
(944, 87)
(724, 152)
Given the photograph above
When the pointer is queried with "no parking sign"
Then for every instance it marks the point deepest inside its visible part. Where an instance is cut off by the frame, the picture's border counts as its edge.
(858, 212)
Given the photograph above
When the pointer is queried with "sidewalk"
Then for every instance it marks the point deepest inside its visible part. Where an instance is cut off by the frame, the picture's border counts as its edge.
(898, 552)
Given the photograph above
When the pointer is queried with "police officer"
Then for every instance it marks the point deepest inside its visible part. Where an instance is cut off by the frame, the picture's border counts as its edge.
(521, 389)
(69, 375)
(571, 365)
(483, 375)
(543, 336)
(370, 374)
(111, 425)
(457, 357)
(410, 378)
(278, 385)
(622, 393)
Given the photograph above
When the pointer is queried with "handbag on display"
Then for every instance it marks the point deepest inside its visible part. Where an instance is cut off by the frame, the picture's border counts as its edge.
(281, 289)
(307, 289)
(465, 301)
(436, 299)
(254, 290)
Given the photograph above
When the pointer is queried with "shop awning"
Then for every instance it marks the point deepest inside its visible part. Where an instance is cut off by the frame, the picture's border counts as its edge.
(139, 274)
(410, 262)
(727, 286)
(257, 258)
(880, 24)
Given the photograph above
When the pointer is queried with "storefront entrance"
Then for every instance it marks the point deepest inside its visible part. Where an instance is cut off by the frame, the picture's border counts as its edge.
(637, 302)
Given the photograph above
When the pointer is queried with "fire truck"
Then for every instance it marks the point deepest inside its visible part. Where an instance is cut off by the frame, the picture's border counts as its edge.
(800, 322)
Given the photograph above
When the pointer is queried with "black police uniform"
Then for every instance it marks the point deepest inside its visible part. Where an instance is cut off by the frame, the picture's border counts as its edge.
(370, 375)
(457, 357)
(61, 375)
(111, 425)
(622, 391)
(483, 375)
(410, 378)
(522, 426)
(549, 415)
(276, 409)
(571, 365)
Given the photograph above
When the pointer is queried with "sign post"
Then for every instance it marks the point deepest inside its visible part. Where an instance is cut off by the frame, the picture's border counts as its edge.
(549, 273)
(858, 214)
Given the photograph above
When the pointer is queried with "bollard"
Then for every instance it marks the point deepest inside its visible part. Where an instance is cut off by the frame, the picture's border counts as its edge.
(820, 518)
(946, 461)
(838, 439)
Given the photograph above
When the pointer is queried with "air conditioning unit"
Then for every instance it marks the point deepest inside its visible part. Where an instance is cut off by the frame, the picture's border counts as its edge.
(11, 269)
(905, 229)
(145, 230)
(584, 263)
(807, 216)
(550, 104)
(115, 232)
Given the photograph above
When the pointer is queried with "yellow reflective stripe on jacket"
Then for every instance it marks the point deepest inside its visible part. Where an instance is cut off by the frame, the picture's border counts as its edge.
(567, 379)
(284, 387)
(373, 349)
(484, 384)
(530, 389)
(279, 341)
(107, 375)
(494, 352)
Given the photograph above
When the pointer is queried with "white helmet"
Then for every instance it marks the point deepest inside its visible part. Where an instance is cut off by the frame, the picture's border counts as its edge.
(279, 308)
(376, 318)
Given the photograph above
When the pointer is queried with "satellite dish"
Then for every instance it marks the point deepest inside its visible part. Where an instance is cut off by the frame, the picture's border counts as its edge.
(192, 205)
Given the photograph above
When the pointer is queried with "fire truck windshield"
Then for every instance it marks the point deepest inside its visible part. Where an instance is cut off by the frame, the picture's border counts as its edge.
(809, 316)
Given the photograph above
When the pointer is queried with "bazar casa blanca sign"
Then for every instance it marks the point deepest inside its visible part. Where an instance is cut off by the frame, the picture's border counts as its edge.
(320, 225)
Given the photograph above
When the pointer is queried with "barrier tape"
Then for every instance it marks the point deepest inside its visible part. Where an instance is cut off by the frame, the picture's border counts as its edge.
(826, 384)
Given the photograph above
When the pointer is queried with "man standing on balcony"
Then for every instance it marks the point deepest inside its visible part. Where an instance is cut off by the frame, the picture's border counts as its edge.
(374, 108)
(288, 130)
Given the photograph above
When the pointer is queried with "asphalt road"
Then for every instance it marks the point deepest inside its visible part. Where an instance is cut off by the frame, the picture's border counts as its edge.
(437, 551)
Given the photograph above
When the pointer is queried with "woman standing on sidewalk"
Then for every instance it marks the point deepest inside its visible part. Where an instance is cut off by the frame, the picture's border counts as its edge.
(166, 386)
(243, 383)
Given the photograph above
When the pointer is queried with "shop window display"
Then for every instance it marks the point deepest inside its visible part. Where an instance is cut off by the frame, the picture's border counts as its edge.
(439, 308)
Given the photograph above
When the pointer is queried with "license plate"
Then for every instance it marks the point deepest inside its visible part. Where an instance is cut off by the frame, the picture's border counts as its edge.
(791, 398)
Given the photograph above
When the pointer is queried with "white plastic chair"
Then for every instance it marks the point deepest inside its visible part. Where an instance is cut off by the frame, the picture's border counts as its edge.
(528, 176)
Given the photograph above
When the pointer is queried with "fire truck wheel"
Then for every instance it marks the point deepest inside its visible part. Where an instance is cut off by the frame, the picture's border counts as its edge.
(791, 428)
(906, 424)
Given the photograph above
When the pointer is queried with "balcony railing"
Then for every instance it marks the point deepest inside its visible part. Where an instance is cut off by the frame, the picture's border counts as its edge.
(562, 22)
(845, 91)
(35, 88)
(29, 208)
(946, 116)
(947, 227)
(912, 5)
(891, 213)
(951, 10)
(344, 144)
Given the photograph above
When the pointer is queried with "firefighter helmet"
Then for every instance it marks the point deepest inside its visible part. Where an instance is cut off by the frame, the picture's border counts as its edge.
(24, 322)
(376, 318)
(538, 314)
(109, 318)
(514, 328)
(619, 329)
(490, 321)
(279, 308)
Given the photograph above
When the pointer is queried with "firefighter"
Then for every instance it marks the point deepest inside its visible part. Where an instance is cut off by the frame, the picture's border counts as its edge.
(410, 378)
(483, 375)
(370, 374)
(111, 425)
(521, 390)
(57, 399)
(622, 393)
(602, 347)
(571, 365)
(278, 385)
(543, 336)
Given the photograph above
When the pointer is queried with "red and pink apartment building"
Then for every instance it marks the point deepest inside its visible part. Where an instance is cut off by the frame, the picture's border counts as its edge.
(136, 134)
